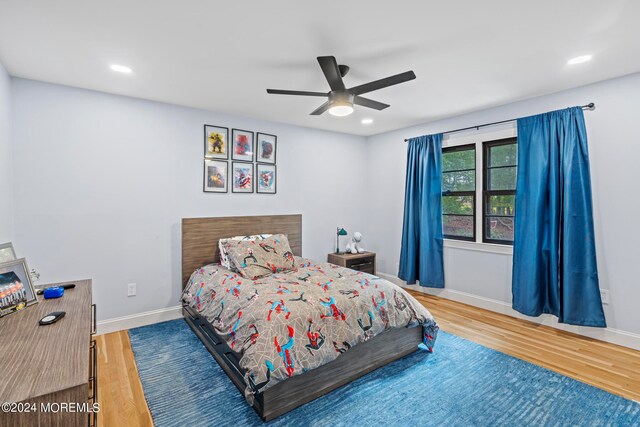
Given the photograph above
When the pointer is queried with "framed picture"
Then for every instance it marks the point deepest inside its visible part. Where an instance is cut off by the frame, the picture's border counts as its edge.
(242, 145)
(7, 253)
(216, 141)
(242, 177)
(16, 289)
(266, 148)
(216, 176)
(266, 179)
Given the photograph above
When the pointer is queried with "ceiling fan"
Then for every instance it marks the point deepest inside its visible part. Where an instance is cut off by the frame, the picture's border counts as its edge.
(341, 99)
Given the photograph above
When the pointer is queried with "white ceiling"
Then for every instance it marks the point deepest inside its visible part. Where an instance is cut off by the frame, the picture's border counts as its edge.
(222, 55)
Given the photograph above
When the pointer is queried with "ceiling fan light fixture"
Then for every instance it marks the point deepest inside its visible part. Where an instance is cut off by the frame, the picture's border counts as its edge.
(341, 110)
(342, 99)
(341, 103)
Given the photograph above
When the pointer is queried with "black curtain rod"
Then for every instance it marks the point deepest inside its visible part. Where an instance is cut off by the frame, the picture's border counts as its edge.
(589, 106)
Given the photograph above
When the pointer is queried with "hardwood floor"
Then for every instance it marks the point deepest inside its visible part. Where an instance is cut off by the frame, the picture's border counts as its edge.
(610, 367)
(607, 366)
(120, 392)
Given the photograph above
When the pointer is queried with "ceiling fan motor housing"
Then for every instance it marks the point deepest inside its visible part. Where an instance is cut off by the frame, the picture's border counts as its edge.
(341, 97)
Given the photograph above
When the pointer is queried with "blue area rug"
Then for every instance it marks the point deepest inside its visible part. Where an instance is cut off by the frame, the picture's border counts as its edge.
(460, 384)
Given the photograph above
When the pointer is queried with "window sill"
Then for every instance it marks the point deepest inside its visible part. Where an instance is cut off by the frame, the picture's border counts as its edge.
(479, 247)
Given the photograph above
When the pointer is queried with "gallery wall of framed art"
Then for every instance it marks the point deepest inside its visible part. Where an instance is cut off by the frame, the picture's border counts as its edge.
(241, 159)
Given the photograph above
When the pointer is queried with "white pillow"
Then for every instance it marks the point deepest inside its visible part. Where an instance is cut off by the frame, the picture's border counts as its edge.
(225, 261)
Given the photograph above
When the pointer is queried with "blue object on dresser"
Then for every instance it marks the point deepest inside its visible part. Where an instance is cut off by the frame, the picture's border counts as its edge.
(53, 292)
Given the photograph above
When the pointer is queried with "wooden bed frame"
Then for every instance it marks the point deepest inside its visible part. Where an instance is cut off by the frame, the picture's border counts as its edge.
(200, 247)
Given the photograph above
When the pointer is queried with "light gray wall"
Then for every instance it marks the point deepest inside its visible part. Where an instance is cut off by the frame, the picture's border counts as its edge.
(614, 145)
(102, 182)
(6, 168)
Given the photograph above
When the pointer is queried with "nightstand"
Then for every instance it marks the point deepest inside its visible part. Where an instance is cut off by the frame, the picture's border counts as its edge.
(365, 262)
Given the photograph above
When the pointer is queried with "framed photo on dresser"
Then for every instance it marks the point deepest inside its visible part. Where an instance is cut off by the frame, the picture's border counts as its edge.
(242, 148)
(16, 289)
(266, 179)
(266, 148)
(216, 174)
(242, 177)
(216, 142)
(6, 252)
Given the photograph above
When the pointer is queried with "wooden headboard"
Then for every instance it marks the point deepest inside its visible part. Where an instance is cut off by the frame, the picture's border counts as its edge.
(200, 236)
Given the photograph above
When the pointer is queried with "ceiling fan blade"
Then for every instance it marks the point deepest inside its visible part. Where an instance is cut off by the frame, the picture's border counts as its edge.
(366, 102)
(321, 109)
(331, 72)
(295, 92)
(382, 83)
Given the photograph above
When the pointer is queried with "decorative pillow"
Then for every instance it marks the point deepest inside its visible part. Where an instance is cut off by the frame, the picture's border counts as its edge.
(224, 258)
(259, 258)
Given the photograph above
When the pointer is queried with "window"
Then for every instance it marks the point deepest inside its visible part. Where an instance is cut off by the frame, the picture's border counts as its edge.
(500, 161)
(459, 192)
(486, 185)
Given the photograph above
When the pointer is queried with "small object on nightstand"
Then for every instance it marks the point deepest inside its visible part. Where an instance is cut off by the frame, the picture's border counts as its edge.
(365, 261)
(52, 317)
(354, 247)
(339, 232)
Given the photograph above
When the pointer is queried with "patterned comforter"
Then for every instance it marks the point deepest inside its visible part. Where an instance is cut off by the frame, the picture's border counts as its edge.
(286, 324)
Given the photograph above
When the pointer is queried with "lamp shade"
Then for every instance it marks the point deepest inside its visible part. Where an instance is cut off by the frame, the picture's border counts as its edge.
(339, 232)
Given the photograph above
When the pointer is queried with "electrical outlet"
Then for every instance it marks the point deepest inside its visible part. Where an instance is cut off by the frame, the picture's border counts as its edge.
(604, 296)
(131, 290)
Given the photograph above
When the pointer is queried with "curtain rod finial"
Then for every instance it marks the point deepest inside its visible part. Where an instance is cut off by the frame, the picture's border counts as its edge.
(591, 106)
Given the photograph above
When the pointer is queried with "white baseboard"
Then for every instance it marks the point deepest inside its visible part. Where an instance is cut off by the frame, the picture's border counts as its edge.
(140, 319)
(611, 335)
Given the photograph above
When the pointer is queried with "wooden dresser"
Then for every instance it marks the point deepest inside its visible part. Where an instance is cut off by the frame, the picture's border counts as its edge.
(49, 372)
(365, 262)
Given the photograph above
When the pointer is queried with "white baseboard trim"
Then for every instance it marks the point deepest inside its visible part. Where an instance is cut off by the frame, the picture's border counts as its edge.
(611, 335)
(140, 319)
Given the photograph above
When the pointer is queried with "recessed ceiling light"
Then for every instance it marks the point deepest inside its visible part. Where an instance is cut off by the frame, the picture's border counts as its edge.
(121, 68)
(366, 121)
(579, 59)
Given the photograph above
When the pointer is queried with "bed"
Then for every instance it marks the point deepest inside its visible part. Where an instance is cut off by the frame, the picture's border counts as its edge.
(291, 337)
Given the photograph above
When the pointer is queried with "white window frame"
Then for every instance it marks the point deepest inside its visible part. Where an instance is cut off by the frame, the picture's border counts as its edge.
(477, 137)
